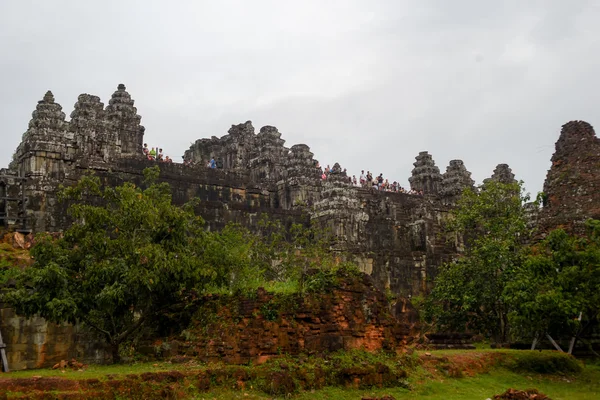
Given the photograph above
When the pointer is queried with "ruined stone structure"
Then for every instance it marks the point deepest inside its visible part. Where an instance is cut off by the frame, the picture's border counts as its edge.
(502, 173)
(35, 343)
(572, 186)
(426, 176)
(455, 180)
(395, 237)
(354, 315)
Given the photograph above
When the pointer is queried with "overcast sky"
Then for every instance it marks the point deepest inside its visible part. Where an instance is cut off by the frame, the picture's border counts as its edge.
(367, 84)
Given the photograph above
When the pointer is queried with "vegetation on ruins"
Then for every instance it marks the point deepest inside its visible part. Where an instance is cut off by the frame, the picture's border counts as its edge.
(275, 258)
(505, 287)
(131, 257)
(340, 375)
(469, 293)
(120, 264)
(556, 291)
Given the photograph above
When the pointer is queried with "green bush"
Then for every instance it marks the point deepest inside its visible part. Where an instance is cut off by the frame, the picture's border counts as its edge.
(545, 362)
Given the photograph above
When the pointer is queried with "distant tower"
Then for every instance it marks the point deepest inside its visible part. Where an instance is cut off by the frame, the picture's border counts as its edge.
(123, 119)
(426, 176)
(572, 185)
(89, 125)
(455, 180)
(502, 174)
(45, 144)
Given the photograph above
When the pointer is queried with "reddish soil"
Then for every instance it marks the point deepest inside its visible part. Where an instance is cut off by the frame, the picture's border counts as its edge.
(460, 364)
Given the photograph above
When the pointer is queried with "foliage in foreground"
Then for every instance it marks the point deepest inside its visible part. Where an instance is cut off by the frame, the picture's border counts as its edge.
(132, 259)
(504, 288)
(468, 293)
(557, 289)
(119, 265)
(275, 258)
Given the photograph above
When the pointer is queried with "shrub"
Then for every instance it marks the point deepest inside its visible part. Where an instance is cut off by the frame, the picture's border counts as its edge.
(546, 362)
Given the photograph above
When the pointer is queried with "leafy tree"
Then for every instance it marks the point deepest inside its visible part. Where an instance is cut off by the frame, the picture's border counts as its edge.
(274, 257)
(128, 258)
(467, 294)
(557, 289)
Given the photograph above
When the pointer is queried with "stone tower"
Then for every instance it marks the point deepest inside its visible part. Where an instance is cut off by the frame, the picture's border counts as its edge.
(89, 126)
(301, 185)
(44, 158)
(572, 186)
(122, 119)
(426, 176)
(46, 143)
(339, 209)
(455, 180)
(270, 155)
(503, 174)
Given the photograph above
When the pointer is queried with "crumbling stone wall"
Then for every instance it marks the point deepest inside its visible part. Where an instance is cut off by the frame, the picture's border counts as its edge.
(353, 315)
(36, 343)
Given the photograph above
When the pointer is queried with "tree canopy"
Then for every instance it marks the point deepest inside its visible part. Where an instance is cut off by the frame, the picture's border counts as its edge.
(129, 258)
(556, 290)
(468, 293)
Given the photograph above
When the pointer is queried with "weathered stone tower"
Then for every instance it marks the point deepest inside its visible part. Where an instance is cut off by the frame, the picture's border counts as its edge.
(455, 180)
(426, 176)
(572, 186)
(54, 151)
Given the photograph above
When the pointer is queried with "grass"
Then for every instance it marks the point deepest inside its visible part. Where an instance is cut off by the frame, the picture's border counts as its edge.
(101, 371)
(586, 386)
(482, 373)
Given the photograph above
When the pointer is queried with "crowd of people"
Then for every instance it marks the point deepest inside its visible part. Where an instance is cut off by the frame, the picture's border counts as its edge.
(215, 164)
(369, 181)
(209, 164)
(365, 180)
(155, 154)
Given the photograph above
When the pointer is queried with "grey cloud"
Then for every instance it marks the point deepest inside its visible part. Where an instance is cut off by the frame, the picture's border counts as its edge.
(367, 84)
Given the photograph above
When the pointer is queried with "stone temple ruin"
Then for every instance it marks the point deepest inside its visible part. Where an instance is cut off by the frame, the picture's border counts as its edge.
(395, 237)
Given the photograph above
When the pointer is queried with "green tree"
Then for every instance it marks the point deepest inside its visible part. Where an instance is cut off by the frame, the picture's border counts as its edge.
(467, 293)
(273, 257)
(557, 290)
(129, 257)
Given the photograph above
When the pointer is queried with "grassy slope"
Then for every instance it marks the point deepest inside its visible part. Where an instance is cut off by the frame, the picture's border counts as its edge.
(429, 380)
(586, 386)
